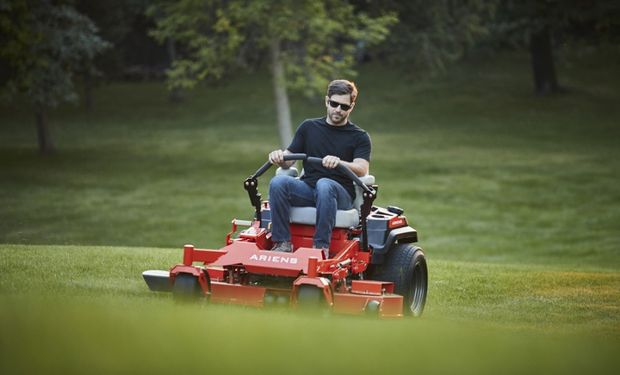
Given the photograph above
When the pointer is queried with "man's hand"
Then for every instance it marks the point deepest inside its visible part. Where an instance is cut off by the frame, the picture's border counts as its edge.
(277, 157)
(331, 162)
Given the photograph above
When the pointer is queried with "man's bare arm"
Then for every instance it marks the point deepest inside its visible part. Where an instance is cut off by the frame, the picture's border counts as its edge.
(359, 166)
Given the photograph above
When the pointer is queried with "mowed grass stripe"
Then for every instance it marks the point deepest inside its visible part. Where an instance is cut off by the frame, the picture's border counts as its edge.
(484, 170)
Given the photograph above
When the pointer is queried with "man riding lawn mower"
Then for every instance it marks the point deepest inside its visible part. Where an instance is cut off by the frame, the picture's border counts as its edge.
(319, 241)
(372, 265)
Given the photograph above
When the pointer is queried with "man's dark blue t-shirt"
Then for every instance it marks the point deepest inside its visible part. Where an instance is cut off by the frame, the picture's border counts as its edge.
(315, 137)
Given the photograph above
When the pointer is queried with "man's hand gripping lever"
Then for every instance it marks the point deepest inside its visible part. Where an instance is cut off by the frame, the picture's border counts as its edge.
(251, 183)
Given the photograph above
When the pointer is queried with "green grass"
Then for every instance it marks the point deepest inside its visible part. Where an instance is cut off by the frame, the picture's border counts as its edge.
(515, 199)
(82, 307)
(486, 171)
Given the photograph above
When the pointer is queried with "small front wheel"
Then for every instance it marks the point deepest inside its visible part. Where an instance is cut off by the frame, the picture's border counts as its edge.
(310, 297)
(186, 287)
(311, 300)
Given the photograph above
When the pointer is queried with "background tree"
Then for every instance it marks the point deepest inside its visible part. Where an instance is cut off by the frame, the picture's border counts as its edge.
(119, 23)
(43, 46)
(430, 35)
(541, 26)
(306, 43)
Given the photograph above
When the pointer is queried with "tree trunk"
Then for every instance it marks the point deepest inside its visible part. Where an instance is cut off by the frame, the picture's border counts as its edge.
(88, 90)
(176, 95)
(46, 146)
(545, 80)
(279, 87)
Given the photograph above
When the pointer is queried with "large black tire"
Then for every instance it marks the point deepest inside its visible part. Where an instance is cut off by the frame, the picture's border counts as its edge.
(405, 266)
(186, 287)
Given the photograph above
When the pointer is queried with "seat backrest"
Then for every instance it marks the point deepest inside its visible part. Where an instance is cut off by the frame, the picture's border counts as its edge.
(359, 198)
(292, 171)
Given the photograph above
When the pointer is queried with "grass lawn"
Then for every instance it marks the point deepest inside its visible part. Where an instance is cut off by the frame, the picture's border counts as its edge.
(84, 307)
(515, 198)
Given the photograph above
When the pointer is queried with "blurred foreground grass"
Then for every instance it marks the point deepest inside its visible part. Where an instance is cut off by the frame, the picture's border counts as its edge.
(155, 337)
(86, 309)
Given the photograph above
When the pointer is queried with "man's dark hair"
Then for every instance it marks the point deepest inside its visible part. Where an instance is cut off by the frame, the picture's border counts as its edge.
(342, 87)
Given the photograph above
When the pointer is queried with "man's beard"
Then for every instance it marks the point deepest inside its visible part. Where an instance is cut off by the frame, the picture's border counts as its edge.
(336, 118)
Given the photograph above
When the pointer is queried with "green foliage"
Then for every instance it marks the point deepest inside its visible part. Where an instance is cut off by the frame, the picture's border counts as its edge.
(431, 35)
(318, 39)
(326, 41)
(120, 22)
(14, 36)
(45, 46)
(208, 36)
(593, 21)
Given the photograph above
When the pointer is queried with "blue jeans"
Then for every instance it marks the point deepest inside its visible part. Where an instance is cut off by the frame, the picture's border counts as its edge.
(328, 197)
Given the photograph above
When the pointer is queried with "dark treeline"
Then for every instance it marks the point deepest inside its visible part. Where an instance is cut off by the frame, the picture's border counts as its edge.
(47, 46)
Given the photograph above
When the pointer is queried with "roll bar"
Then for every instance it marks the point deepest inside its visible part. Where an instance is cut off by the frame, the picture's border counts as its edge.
(369, 194)
(343, 169)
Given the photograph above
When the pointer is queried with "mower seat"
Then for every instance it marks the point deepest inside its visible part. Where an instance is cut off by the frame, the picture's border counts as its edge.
(344, 218)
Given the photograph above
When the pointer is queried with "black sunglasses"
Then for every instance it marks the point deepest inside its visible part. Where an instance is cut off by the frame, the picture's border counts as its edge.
(333, 104)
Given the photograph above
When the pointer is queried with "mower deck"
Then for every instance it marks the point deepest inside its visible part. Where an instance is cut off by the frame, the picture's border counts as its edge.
(242, 273)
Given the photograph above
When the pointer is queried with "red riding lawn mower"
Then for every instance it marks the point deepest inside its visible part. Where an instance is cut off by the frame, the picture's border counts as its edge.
(373, 267)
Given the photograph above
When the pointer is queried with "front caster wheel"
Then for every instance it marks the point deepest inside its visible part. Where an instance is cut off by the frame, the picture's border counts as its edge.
(186, 287)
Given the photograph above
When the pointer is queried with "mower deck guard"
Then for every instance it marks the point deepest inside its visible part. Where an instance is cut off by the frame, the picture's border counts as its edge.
(157, 280)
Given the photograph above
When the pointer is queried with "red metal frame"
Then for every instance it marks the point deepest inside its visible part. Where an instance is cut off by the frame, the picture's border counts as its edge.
(223, 274)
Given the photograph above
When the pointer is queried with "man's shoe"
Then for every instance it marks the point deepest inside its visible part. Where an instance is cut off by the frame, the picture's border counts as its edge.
(325, 251)
(283, 247)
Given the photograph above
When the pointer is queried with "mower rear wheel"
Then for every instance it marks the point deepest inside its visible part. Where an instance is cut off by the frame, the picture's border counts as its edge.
(405, 266)
(186, 287)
